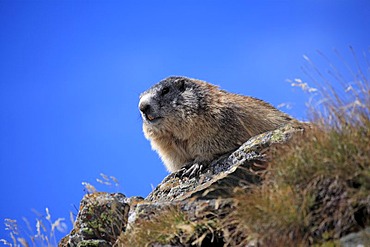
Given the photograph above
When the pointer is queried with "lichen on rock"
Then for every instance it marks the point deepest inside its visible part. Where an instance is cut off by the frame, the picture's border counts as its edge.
(100, 220)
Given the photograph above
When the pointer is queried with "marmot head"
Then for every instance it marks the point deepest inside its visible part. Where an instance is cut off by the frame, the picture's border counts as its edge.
(171, 105)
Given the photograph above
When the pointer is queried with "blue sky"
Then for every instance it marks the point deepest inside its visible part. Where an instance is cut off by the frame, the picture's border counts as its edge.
(71, 73)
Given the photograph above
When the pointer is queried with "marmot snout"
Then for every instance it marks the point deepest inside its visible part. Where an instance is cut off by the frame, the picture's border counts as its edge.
(188, 120)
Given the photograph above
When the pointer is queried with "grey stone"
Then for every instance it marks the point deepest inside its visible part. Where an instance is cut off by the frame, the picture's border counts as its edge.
(357, 239)
(101, 219)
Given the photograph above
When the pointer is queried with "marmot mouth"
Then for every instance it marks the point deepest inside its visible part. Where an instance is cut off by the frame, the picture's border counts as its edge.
(151, 118)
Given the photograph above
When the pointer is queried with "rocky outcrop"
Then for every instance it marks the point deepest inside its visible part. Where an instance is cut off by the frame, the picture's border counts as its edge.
(357, 239)
(103, 217)
(100, 220)
(222, 175)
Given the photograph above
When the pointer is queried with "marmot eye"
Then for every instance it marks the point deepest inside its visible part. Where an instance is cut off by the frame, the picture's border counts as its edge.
(165, 90)
(182, 86)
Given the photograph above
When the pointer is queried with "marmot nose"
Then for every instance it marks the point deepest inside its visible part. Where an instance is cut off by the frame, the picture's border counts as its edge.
(147, 112)
(145, 108)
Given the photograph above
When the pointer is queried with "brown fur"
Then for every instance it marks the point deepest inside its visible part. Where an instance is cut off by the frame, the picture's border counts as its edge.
(197, 122)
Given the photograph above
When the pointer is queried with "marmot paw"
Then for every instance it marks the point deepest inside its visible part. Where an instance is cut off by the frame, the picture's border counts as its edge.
(190, 170)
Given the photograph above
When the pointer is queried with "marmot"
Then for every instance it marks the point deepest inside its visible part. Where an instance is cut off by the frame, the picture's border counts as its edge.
(190, 121)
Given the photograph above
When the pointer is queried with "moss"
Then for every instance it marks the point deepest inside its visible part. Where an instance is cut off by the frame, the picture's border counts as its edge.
(93, 243)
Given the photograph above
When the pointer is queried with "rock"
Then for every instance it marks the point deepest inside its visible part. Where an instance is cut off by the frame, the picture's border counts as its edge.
(222, 175)
(358, 239)
(100, 220)
(207, 195)
(102, 216)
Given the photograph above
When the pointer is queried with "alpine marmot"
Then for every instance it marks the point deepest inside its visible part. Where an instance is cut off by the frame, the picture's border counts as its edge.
(189, 120)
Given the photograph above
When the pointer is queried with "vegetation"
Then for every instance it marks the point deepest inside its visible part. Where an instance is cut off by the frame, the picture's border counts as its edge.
(44, 232)
(171, 226)
(317, 188)
(42, 235)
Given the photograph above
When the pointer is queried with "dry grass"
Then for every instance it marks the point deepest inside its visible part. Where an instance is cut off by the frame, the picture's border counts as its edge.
(42, 235)
(317, 188)
(169, 226)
